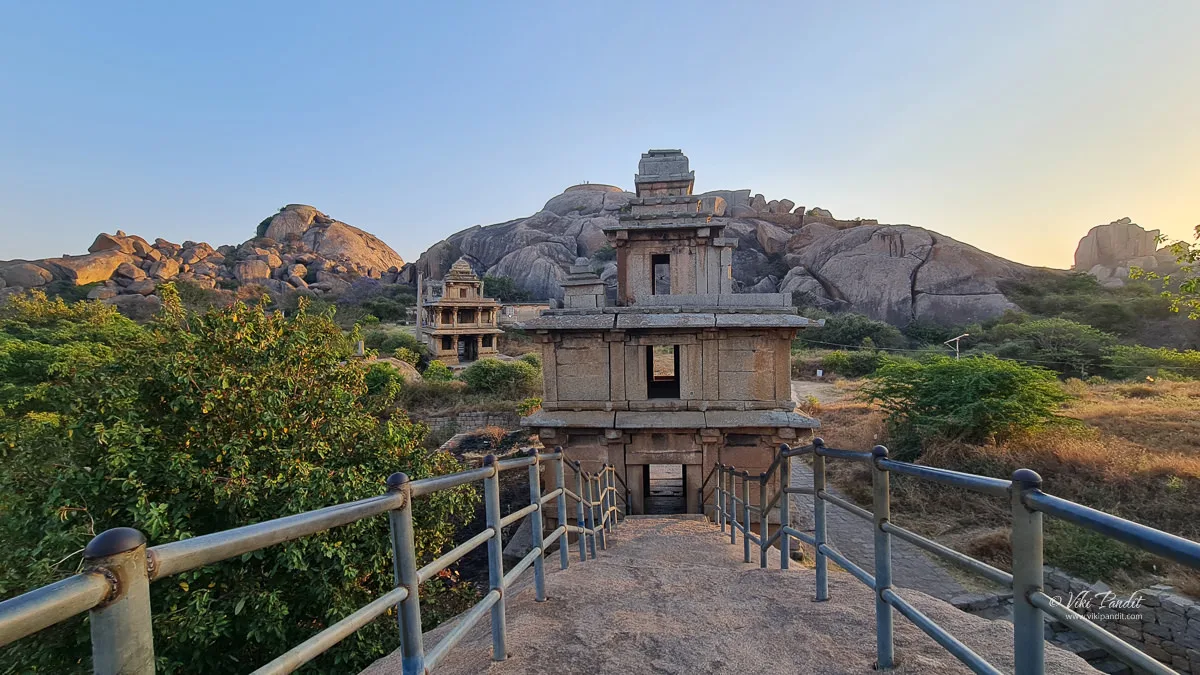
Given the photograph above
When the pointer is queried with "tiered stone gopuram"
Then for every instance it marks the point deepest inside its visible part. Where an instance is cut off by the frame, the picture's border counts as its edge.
(460, 325)
(682, 371)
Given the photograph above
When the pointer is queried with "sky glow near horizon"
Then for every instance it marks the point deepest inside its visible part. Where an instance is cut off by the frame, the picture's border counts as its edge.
(1014, 127)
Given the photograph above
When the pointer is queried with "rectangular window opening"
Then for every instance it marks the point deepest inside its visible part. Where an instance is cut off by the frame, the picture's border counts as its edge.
(447, 343)
(660, 265)
(662, 371)
(462, 292)
(487, 340)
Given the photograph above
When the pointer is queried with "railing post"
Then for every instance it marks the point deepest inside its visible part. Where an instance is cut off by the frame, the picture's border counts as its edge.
(491, 498)
(122, 637)
(586, 494)
(602, 486)
(881, 487)
(560, 482)
(731, 511)
(762, 520)
(597, 505)
(404, 567)
(579, 519)
(612, 498)
(537, 531)
(819, 533)
(785, 505)
(719, 497)
(746, 515)
(1028, 631)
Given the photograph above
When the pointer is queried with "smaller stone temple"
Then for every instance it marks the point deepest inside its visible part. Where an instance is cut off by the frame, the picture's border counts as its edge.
(457, 323)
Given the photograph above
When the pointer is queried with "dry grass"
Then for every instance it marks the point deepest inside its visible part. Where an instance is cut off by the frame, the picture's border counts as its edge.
(1136, 454)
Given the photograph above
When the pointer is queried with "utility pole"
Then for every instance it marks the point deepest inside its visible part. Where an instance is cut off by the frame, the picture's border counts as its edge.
(955, 341)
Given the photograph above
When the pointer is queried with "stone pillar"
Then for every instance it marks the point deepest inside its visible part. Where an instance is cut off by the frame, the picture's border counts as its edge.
(635, 477)
(693, 475)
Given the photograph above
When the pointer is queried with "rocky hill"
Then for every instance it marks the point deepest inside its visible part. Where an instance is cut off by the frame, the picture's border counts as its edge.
(896, 273)
(298, 250)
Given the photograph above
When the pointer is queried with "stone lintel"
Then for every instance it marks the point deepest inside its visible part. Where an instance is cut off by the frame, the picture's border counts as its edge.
(592, 321)
(563, 418)
(723, 419)
(764, 321)
(681, 320)
(680, 419)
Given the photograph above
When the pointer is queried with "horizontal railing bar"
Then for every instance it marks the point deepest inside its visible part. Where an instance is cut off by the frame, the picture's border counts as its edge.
(961, 559)
(996, 487)
(572, 495)
(802, 536)
(1100, 637)
(857, 455)
(468, 620)
(852, 508)
(772, 539)
(798, 490)
(558, 532)
(963, 653)
(553, 494)
(453, 555)
(772, 501)
(188, 554)
(859, 573)
(322, 642)
(752, 537)
(520, 567)
(518, 514)
(795, 452)
(43, 607)
(579, 530)
(430, 485)
(514, 463)
(1147, 538)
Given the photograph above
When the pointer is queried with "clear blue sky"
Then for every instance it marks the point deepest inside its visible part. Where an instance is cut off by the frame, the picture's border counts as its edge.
(1014, 126)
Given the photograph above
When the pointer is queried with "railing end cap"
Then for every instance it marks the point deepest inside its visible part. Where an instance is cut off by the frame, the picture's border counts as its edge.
(819, 442)
(1027, 478)
(879, 451)
(114, 541)
(489, 459)
(396, 481)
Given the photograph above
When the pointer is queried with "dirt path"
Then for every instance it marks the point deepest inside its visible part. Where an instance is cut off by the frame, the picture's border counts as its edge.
(825, 392)
(671, 595)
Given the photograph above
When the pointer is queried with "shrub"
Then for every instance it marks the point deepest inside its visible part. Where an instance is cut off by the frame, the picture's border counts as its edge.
(971, 399)
(853, 364)
(196, 424)
(529, 406)
(1138, 362)
(388, 340)
(407, 355)
(504, 289)
(511, 379)
(438, 372)
(605, 253)
(1064, 346)
(532, 358)
(850, 330)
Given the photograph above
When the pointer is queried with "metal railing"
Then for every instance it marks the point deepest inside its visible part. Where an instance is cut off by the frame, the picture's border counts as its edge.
(1027, 502)
(115, 586)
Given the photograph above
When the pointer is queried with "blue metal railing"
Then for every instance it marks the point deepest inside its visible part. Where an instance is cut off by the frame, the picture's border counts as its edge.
(115, 588)
(1027, 502)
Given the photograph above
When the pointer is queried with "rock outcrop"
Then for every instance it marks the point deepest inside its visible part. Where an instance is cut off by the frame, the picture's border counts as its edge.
(332, 239)
(896, 273)
(1108, 252)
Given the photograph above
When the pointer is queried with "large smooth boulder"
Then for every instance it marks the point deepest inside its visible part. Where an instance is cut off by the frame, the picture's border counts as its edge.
(248, 271)
(88, 269)
(25, 275)
(339, 241)
(1117, 242)
(108, 242)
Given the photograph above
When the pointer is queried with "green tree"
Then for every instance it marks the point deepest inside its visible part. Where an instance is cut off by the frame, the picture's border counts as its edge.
(972, 399)
(850, 330)
(1182, 288)
(438, 372)
(507, 379)
(1064, 346)
(195, 424)
(504, 289)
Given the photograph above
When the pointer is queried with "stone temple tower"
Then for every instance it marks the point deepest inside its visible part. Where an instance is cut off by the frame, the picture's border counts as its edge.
(681, 372)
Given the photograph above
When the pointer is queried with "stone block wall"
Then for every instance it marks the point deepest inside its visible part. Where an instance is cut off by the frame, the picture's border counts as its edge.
(469, 421)
(1166, 625)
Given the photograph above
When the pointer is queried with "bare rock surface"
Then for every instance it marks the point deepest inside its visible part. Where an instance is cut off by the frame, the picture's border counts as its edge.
(671, 595)
(1117, 242)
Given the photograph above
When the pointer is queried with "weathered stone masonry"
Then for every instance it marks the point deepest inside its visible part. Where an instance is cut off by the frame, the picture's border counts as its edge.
(680, 370)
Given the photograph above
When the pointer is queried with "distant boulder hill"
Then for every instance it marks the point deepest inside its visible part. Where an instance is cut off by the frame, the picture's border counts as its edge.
(895, 273)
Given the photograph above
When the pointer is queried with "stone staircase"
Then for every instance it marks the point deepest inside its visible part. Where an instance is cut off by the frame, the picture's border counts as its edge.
(671, 595)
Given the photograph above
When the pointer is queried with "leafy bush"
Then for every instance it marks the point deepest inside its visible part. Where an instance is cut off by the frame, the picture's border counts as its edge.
(853, 364)
(1137, 362)
(1064, 346)
(504, 289)
(972, 399)
(605, 253)
(511, 379)
(407, 355)
(529, 406)
(1079, 297)
(438, 372)
(532, 358)
(850, 330)
(196, 424)
(388, 340)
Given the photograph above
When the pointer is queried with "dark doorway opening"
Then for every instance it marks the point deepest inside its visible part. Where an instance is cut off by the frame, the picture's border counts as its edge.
(662, 371)
(660, 266)
(664, 489)
(468, 348)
